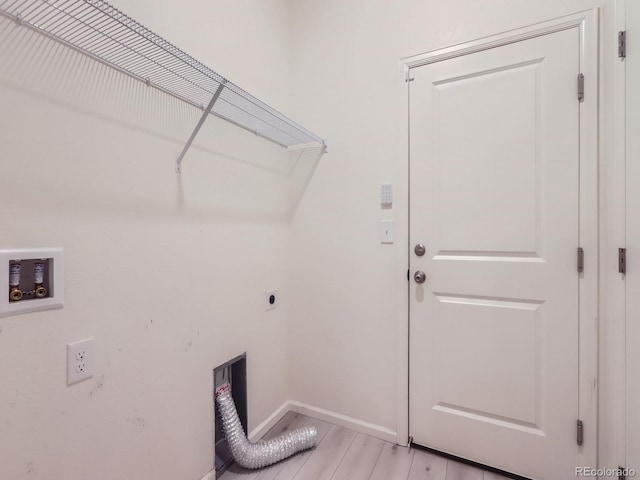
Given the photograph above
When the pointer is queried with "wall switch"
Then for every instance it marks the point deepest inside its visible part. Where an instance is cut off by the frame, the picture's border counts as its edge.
(387, 231)
(271, 297)
(386, 195)
(79, 360)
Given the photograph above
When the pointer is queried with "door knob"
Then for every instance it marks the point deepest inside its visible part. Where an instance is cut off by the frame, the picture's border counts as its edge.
(419, 276)
(420, 249)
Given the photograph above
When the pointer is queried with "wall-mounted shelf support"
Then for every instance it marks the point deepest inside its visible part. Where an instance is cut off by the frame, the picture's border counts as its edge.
(104, 33)
(204, 116)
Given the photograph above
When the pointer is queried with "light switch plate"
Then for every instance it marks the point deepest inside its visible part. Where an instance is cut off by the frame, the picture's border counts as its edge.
(387, 231)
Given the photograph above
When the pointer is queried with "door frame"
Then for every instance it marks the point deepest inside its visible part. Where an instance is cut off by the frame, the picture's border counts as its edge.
(587, 24)
(632, 229)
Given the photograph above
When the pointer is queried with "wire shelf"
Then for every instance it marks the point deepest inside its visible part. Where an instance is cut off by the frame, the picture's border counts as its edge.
(101, 31)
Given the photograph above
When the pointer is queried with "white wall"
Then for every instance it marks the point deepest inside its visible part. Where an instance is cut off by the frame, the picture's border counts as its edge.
(349, 294)
(88, 158)
(168, 278)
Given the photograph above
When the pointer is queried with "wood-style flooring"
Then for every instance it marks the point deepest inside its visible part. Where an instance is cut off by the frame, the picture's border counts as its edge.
(343, 454)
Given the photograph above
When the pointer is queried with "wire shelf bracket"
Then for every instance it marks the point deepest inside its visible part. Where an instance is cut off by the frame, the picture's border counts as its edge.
(206, 113)
(104, 33)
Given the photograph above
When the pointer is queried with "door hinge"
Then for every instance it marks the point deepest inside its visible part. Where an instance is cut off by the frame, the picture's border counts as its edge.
(622, 260)
(580, 86)
(622, 44)
(580, 432)
(408, 275)
(580, 259)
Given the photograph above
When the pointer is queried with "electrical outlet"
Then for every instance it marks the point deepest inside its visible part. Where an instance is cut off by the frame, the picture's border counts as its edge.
(79, 360)
(271, 296)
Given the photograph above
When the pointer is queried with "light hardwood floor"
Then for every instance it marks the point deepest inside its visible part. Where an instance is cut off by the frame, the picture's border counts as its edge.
(343, 454)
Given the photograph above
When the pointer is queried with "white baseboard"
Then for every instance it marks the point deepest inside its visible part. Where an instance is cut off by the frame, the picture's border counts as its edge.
(211, 475)
(360, 426)
(259, 432)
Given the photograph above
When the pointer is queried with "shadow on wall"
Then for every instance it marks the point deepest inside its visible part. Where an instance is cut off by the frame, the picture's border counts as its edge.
(81, 130)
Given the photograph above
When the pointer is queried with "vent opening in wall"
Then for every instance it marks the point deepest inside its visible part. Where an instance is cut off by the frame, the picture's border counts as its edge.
(233, 372)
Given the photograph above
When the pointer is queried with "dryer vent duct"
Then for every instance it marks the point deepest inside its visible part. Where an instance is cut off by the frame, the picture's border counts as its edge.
(257, 455)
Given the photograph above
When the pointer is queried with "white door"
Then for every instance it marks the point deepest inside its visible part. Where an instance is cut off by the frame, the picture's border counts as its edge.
(633, 235)
(494, 182)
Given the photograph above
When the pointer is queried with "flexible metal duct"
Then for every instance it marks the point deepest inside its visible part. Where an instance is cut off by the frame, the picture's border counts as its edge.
(264, 453)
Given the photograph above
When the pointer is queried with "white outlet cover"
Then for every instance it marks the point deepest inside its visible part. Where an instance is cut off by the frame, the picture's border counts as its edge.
(79, 360)
(267, 297)
(56, 281)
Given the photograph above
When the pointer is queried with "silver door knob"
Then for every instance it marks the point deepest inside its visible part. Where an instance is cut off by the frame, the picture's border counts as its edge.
(419, 276)
(420, 249)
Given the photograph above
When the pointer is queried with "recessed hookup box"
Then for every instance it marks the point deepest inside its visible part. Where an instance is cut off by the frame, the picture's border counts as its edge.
(31, 280)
